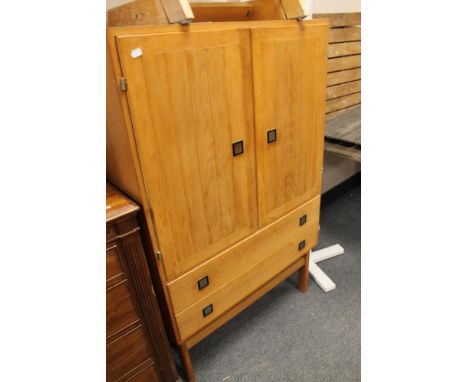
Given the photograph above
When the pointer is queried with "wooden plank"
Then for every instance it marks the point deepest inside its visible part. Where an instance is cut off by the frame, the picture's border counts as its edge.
(230, 11)
(344, 49)
(340, 120)
(342, 102)
(336, 114)
(295, 9)
(353, 136)
(268, 10)
(178, 11)
(343, 76)
(345, 151)
(345, 34)
(139, 12)
(340, 132)
(343, 63)
(206, 27)
(337, 131)
(343, 89)
(340, 19)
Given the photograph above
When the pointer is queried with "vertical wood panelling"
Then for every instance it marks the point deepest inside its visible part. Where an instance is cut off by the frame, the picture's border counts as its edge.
(186, 93)
(289, 81)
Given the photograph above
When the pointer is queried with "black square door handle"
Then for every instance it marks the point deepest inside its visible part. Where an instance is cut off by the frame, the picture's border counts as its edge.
(301, 245)
(207, 310)
(203, 282)
(237, 148)
(303, 219)
(271, 136)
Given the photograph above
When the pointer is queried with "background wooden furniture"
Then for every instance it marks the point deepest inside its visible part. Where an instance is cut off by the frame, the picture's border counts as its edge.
(156, 12)
(343, 127)
(222, 150)
(137, 346)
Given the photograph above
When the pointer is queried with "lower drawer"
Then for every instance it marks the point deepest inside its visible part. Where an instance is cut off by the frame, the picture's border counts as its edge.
(215, 304)
(300, 224)
(149, 374)
(126, 353)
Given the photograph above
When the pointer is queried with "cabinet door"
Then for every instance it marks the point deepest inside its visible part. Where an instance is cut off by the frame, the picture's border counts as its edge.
(289, 69)
(190, 99)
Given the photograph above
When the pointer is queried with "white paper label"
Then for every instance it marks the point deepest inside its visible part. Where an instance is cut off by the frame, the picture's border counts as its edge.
(136, 53)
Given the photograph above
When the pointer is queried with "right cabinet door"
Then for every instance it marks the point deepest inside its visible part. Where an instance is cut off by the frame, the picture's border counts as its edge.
(289, 72)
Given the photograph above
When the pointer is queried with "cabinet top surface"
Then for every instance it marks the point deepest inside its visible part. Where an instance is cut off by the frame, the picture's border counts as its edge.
(118, 204)
(206, 26)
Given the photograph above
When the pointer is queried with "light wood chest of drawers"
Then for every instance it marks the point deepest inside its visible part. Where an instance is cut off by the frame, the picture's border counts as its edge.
(218, 130)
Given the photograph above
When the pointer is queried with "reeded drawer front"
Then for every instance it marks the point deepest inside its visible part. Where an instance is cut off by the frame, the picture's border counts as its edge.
(149, 374)
(126, 353)
(113, 266)
(285, 234)
(215, 304)
(120, 311)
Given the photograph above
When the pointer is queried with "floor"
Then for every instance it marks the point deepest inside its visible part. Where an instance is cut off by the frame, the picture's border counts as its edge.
(290, 336)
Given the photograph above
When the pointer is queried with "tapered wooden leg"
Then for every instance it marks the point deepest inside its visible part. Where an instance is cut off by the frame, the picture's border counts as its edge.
(187, 361)
(303, 283)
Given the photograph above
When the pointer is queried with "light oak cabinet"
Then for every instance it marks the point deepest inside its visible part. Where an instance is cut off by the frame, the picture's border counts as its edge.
(217, 130)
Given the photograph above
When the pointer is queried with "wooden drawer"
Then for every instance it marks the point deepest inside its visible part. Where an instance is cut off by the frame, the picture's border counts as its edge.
(120, 309)
(285, 233)
(113, 266)
(198, 315)
(149, 374)
(126, 353)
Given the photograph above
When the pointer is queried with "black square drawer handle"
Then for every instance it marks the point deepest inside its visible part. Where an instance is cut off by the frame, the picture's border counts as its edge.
(303, 219)
(301, 245)
(271, 136)
(237, 148)
(207, 310)
(203, 282)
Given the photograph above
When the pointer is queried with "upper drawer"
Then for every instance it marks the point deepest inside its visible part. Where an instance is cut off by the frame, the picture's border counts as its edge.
(203, 280)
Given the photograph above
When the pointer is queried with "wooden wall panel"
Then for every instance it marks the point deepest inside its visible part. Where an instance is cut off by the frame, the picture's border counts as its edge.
(344, 49)
(343, 89)
(344, 61)
(341, 19)
(345, 34)
(343, 102)
(343, 76)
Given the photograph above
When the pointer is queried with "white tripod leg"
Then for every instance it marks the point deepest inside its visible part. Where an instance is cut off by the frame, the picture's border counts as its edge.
(317, 274)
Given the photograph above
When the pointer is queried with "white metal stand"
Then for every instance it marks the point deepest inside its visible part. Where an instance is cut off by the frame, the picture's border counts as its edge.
(316, 273)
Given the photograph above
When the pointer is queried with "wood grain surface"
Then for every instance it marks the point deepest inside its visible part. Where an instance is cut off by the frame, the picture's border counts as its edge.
(284, 95)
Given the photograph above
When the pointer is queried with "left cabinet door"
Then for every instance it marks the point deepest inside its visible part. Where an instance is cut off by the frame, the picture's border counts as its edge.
(190, 100)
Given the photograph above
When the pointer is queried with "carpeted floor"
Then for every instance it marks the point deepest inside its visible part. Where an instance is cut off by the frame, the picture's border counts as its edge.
(290, 336)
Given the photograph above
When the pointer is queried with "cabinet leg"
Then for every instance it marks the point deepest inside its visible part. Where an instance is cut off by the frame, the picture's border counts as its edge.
(303, 283)
(187, 361)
